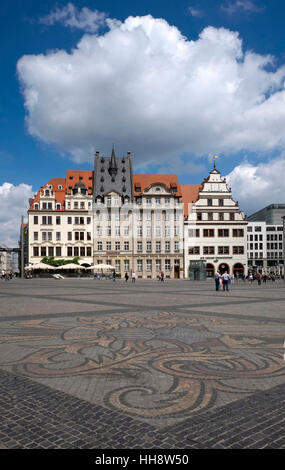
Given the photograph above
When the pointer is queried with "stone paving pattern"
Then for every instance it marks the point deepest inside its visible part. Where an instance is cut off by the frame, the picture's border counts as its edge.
(174, 365)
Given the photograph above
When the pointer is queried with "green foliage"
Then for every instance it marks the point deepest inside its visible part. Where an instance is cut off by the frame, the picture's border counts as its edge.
(59, 262)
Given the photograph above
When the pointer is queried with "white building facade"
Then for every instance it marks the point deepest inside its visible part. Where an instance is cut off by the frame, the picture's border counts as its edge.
(214, 232)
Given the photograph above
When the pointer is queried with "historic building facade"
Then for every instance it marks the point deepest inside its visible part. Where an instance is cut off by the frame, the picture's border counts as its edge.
(215, 230)
(143, 223)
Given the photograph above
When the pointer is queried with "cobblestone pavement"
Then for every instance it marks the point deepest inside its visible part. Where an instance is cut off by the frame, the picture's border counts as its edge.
(174, 365)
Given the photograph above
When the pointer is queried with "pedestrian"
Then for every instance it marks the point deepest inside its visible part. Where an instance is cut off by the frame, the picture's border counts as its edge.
(126, 277)
(250, 277)
(162, 276)
(133, 277)
(3, 274)
(226, 280)
(259, 279)
(217, 280)
(114, 276)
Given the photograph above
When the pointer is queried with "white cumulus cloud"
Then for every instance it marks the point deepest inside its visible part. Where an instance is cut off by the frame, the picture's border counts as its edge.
(145, 87)
(85, 19)
(13, 204)
(257, 186)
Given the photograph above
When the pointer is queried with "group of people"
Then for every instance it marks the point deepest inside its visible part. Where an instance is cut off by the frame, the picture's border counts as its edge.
(223, 279)
(133, 276)
(6, 275)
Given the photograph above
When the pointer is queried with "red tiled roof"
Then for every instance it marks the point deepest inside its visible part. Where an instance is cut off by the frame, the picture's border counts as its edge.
(190, 194)
(76, 176)
(144, 181)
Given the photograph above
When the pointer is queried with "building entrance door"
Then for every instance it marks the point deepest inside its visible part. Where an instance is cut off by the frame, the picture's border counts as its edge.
(176, 272)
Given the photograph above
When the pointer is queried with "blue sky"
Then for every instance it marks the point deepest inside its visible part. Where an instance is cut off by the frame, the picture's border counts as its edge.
(35, 148)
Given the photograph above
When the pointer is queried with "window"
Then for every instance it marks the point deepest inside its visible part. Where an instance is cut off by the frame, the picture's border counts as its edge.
(223, 232)
(249, 229)
(76, 235)
(76, 251)
(208, 232)
(117, 265)
(109, 200)
(88, 220)
(208, 250)
(58, 236)
(126, 246)
(116, 201)
(194, 250)
(82, 251)
(257, 229)
(50, 251)
(148, 246)
(69, 236)
(176, 231)
(126, 231)
(139, 231)
(108, 246)
(167, 246)
(36, 236)
(57, 220)
(238, 250)
(167, 231)
(36, 219)
(158, 201)
(148, 201)
(117, 246)
(81, 236)
(117, 230)
(148, 231)
(99, 231)
(167, 265)
(82, 205)
(210, 202)
(157, 231)
(50, 205)
(126, 265)
(88, 251)
(167, 201)
(237, 232)
(199, 216)
(157, 246)
(99, 246)
(148, 264)
(221, 202)
(44, 236)
(232, 216)
(193, 232)
(158, 265)
(176, 246)
(210, 216)
(43, 251)
(58, 251)
(36, 251)
(221, 216)
(139, 246)
(69, 251)
(88, 236)
(109, 231)
(75, 204)
(223, 250)
(69, 220)
(140, 265)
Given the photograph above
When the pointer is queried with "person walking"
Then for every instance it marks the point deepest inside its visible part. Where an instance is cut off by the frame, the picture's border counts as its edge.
(259, 278)
(162, 276)
(217, 280)
(226, 280)
(250, 278)
(133, 277)
(126, 277)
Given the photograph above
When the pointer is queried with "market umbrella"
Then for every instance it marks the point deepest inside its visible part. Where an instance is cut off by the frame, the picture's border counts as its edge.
(70, 266)
(40, 266)
(103, 266)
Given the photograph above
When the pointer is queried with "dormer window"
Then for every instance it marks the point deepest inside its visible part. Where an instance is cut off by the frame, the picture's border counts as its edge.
(58, 206)
(59, 186)
(138, 188)
(47, 192)
(36, 206)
